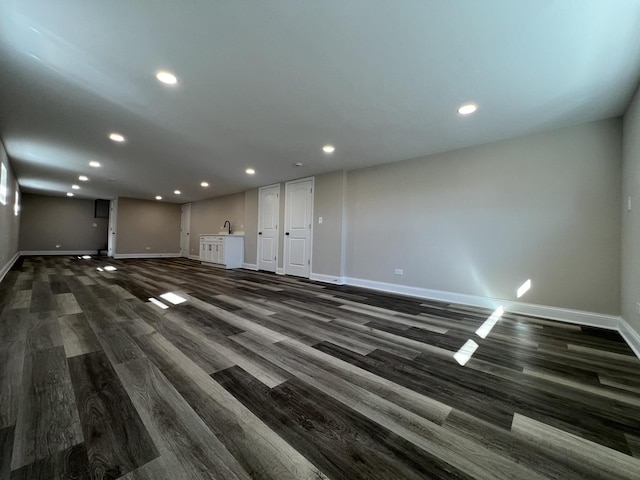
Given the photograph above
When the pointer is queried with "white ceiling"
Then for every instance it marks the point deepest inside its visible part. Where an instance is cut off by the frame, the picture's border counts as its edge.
(267, 83)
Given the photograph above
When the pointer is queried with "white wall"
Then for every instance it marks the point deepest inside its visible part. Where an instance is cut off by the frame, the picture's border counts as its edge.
(49, 221)
(631, 220)
(147, 227)
(482, 220)
(329, 203)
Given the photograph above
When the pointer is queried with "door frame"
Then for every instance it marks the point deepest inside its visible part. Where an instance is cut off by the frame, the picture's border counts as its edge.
(112, 231)
(285, 255)
(279, 230)
(182, 218)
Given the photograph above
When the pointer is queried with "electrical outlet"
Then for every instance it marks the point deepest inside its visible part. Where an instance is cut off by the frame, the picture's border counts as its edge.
(148, 248)
(58, 245)
(399, 271)
(320, 220)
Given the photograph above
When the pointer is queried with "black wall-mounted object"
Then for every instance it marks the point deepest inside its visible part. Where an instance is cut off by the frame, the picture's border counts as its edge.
(102, 208)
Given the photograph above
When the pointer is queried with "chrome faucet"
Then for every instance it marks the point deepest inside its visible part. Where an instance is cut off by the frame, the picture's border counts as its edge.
(225, 224)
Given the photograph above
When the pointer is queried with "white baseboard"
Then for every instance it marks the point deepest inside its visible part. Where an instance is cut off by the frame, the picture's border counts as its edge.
(194, 257)
(631, 336)
(580, 317)
(319, 277)
(567, 315)
(250, 266)
(5, 269)
(146, 255)
(59, 252)
(279, 271)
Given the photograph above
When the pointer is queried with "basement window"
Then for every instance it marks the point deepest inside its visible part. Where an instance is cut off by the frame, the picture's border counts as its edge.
(16, 201)
(3, 184)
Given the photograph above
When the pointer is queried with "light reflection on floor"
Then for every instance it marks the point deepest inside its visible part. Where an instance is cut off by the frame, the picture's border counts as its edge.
(467, 350)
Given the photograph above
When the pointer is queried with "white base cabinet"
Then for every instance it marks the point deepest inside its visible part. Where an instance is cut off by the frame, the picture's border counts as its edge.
(224, 250)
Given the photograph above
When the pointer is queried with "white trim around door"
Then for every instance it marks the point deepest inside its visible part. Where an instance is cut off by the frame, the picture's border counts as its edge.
(185, 230)
(298, 227)
(268, 227)
(113, 226)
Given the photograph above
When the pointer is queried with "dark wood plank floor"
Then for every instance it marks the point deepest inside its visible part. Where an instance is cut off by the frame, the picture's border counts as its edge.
(269, 377)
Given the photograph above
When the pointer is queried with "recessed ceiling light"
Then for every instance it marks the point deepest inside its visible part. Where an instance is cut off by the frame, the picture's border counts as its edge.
(94, 164)
(250, 171)
(177, 192)
(167, 78)
(467, 108)
(83, 178)
(297, 164)
(158, 197)
(75, 187)
(328, 149)
(204, 184)
(116, 137)
(69, 194)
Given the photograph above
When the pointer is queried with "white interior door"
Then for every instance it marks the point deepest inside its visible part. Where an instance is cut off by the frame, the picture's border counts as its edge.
(298, 215)
(113, 217)
(268, 218)
(185, 230)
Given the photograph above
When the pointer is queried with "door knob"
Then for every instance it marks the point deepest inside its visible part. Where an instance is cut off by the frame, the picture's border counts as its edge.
(287, 233)
(259, 233)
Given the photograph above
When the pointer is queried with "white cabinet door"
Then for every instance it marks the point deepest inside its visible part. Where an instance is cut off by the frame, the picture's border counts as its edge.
(223, 250)
(203, 251)
(218, 254)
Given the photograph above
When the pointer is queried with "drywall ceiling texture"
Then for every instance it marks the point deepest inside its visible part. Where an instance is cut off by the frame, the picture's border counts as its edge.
(482, 220)
(147, 227)
(68, 222)
(9, 222)
(267, 83)
(208, 216)
(631, 219)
